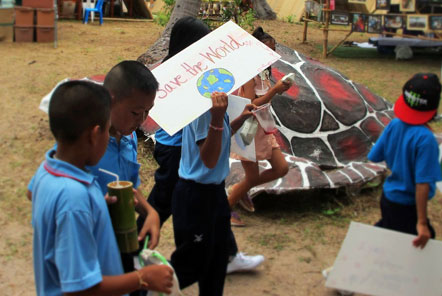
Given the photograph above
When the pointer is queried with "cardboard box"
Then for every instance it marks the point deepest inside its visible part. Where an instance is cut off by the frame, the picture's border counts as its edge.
(6, 32)
(6, 15)
(38, 3)
(45, 17)
(24, 34)
(24, 16)
(45, 34)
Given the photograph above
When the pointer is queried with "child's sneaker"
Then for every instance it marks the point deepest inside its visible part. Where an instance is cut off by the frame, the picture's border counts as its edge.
(235, 220)
(247, 204)
(242, 262)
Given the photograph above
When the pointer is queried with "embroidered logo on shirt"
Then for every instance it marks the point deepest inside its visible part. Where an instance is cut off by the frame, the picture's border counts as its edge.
(198, 238)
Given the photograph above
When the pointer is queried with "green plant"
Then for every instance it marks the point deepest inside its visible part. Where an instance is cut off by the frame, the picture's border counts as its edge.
(331, 212)
(291, 19)
(162, 17)
(246, 21)
(234, 11)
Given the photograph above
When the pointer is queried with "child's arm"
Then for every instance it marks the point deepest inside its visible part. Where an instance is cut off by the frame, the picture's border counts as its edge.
(249, 92)
(152, 222)
(423, 233)
(157, 277)
(238, 122)
(278, 88)
(210, 147)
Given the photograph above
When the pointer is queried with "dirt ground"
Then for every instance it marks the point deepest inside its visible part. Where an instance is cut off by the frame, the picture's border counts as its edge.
(297, 233)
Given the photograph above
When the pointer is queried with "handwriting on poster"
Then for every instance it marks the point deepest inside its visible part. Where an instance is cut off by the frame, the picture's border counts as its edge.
(210, 55)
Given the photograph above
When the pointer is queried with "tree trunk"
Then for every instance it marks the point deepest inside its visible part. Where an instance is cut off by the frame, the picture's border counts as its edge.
(263, 10)
(160, 48)
(191, 8)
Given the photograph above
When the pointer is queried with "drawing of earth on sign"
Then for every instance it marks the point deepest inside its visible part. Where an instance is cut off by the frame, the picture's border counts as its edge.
(217, 79)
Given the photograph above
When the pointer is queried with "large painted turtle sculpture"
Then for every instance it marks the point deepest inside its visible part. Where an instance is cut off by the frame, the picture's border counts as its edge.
(326, 127)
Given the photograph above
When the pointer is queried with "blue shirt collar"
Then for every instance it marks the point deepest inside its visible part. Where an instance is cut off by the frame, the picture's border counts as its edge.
(61, 168)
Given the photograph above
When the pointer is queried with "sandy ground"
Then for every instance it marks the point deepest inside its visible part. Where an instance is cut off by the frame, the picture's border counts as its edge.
(293, 232)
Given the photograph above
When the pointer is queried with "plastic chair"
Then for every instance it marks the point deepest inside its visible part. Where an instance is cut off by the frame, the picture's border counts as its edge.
(89, 4)
(98, 8)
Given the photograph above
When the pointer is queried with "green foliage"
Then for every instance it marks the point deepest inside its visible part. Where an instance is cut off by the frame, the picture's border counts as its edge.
(291, 19)
(331, 212)
(235, 12)
(162, 17)
(246, 20)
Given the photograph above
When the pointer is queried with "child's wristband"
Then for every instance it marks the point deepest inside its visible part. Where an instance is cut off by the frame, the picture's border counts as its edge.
(141, 282)
(216, 128)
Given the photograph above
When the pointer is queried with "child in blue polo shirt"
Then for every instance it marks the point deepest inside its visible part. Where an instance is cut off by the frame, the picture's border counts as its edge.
(167, 153)
(75, 250)
(411, 152)
(200, 211)
(133, 88)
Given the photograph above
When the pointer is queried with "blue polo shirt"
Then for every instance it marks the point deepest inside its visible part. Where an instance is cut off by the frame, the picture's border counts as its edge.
(191, 165)
(164, 138)
(412, 155)
(120, 159)
(74, 243)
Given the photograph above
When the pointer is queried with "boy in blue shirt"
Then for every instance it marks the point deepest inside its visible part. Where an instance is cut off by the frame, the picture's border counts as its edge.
(133, 89)
(411, 152)
(200, 211)
(75, 249)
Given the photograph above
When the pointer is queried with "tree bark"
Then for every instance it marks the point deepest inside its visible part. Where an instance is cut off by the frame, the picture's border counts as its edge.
(263, 10)
(160, 48)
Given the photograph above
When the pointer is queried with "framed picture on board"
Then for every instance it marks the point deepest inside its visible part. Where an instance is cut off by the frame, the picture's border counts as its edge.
(383, 4)
(358, 1)
(417, 22)
(436, 22)
(309, 7)
(358, 22)
(374, 24)
(392, 21)
(339, 18)
(407, 5)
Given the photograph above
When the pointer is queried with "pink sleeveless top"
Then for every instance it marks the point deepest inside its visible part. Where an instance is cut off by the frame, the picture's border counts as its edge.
(264, 144)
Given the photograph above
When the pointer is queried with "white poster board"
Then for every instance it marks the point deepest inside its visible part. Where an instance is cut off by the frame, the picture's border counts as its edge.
(377, 261)
(234, 109)
(222, 61)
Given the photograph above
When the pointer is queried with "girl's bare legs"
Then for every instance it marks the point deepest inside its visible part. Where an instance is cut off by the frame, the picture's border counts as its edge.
(254, 178)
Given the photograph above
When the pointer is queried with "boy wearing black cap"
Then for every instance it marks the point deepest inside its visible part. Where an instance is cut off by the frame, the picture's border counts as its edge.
(411, 152)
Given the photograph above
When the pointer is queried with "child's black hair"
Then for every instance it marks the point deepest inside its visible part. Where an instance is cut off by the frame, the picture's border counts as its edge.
(76, 106)
(129, 76)
(263, 37)
(185, 31)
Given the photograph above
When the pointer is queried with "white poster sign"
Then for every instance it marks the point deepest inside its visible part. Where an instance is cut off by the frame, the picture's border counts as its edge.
(234, 109)
(221, 61)
(377, 261)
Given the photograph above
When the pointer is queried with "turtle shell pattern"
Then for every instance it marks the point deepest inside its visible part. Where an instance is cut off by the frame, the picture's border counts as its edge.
(326, 123)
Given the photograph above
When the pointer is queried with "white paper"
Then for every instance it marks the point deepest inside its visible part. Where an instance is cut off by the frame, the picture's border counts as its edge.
(234, 109)
(377, 261)
(182, 78)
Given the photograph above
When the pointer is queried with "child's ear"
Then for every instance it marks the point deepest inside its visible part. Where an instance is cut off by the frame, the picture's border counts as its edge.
(94, 135)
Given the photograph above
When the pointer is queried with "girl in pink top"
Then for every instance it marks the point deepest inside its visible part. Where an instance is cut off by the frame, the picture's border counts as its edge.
(260, 91)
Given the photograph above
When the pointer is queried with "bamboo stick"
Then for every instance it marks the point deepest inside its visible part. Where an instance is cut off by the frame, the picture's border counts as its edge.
(325, 30)
(304, 36)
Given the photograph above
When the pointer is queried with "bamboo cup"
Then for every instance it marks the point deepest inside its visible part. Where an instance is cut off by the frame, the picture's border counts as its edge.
(122, 214)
